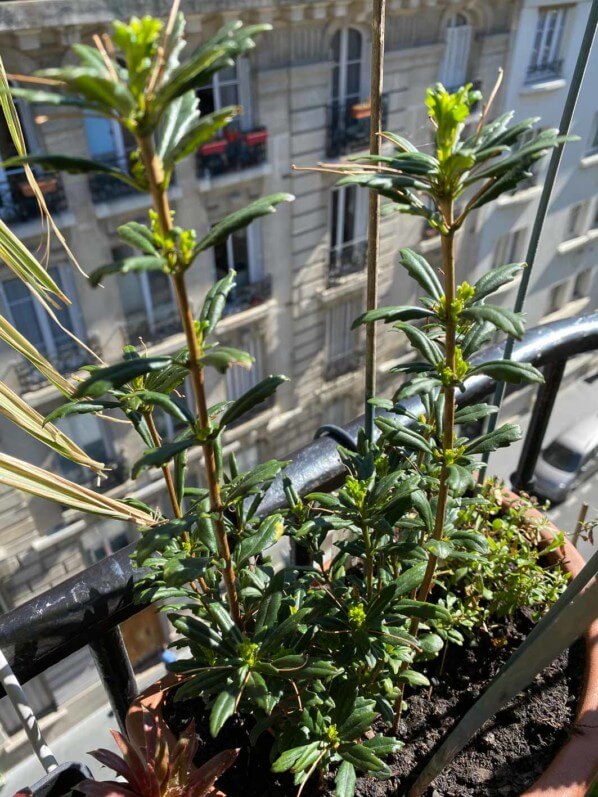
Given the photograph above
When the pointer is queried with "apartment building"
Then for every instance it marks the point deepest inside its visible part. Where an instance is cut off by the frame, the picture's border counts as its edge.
(301, 274)
(541, 61)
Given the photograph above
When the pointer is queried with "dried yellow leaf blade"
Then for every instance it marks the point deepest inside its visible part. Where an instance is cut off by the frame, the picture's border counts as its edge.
(30, 421)
(19, 343)
(28, 478)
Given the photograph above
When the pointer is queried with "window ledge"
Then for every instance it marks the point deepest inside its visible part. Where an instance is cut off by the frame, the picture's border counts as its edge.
(245, 317)
(543, 86)
(571, 244)
(346, 286)
(234, 178)
(32, 228)
(131, 203)
(429, 244)
(525, 195)
(573, 307)
(65, 533)
(591, 159)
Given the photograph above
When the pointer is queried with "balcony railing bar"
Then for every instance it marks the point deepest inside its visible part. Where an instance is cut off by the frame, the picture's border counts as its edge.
(105, 188)
(116, 673)
(87, 607)
(69, 357)
(18, 202)
(235, 151)
(348, 126)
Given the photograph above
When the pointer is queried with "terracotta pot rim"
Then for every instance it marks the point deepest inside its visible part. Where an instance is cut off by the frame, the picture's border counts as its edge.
(577, 758)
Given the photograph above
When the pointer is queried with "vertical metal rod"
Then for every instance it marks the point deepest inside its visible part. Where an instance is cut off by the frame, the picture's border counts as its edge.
(551, 175)
(378, 30)
(25, 713)
(116, 673)
(522, 479)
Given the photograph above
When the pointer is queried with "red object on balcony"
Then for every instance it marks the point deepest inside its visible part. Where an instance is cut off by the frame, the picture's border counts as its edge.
(256, 138)
(214, 147)
(361, 110)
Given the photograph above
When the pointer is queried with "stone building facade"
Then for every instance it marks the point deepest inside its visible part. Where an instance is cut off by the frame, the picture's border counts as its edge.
(304, 92)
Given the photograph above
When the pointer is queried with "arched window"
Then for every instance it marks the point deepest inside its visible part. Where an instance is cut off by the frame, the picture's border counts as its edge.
(453, 69)
(347, 50)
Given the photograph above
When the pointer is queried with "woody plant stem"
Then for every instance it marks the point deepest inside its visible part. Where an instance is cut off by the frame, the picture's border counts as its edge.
(448, 431)
(155, 176)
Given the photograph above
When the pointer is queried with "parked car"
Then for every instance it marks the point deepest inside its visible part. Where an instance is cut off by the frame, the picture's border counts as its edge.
(569, 459)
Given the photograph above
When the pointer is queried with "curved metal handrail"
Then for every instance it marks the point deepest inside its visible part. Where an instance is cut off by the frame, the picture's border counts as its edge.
(86, 607)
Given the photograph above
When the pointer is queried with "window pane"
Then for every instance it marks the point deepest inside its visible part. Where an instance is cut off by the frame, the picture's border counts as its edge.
(354, 44)
(335, 46)
(20, 302)
(229, 95)
(221, 261)
(349, 219)
(59, 336)
(131, 294)
(353, 81)
(206, 100)
(241, 257)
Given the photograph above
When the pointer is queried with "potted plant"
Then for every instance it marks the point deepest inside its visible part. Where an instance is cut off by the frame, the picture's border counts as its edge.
(305, 668)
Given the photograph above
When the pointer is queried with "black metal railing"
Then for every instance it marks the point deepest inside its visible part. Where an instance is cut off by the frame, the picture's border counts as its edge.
(87, 608)
(138, 327)
(348, 125)
(548, 70)
(104, 187)
(234, 151)
(243, 297)
(69, 357)
(17, 200)
(344, 364)
(346, 259)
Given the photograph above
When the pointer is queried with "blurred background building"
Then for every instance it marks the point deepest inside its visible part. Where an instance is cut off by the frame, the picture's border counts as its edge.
(301, 274)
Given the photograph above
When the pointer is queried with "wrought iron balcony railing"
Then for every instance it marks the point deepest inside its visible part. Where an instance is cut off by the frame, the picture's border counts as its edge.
(87, 608)
(234, 151)
(105, 188)
(17, 200)
(346, 259)
(348, 125)
(549, 70)
(69, 357)
(253, 294)
(166, 322)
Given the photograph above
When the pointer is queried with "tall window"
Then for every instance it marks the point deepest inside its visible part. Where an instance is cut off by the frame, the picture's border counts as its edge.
(576, 219)
(230, 86)
(453, 69)
(234, 254)
(106, 140)
(347, 230)
(558, 297)
(86, 431)
(510, 248)
(342, 341)
(148, 302)
(32, 321)
(582, 284)
(546, 61)
(347, 47)
(13, 180)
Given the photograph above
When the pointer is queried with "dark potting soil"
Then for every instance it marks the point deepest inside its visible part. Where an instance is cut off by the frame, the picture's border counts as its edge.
(507, 756)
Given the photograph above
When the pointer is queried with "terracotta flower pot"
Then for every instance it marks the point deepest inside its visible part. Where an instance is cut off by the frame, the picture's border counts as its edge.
(576, 765)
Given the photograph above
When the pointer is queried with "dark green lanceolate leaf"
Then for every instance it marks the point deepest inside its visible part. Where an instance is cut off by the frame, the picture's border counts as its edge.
(224, 621)
(460, 479)
(79, 408)
(424, 510)
(403, 436)
(157, 457)
(223, 709)
(479, 334)
(246, 483)
(417, 386)
(64, 163)
(254, 396)
(471, 540)
(267, 614)
(197, 631)
(387, 185)
(289, 758)
(139, 236)
(155, 538)
(184, 569)
(126, 266)
(202, 131)
(178, 117)
(410, 579)
(362, 758)
(240, 219)
(116, 376)
(345, 780)
(425, 611)
(500, 317)
(222, 357)
(495, 279)
(104, 93)
(178, 410)
(359, 720)
(270, 531)
(422, 272)
(391, 314)
(215, 301)
(509, 371)
(440, 548)
(499, 438)
(428, 348)
(41, 97)
(475, 412)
